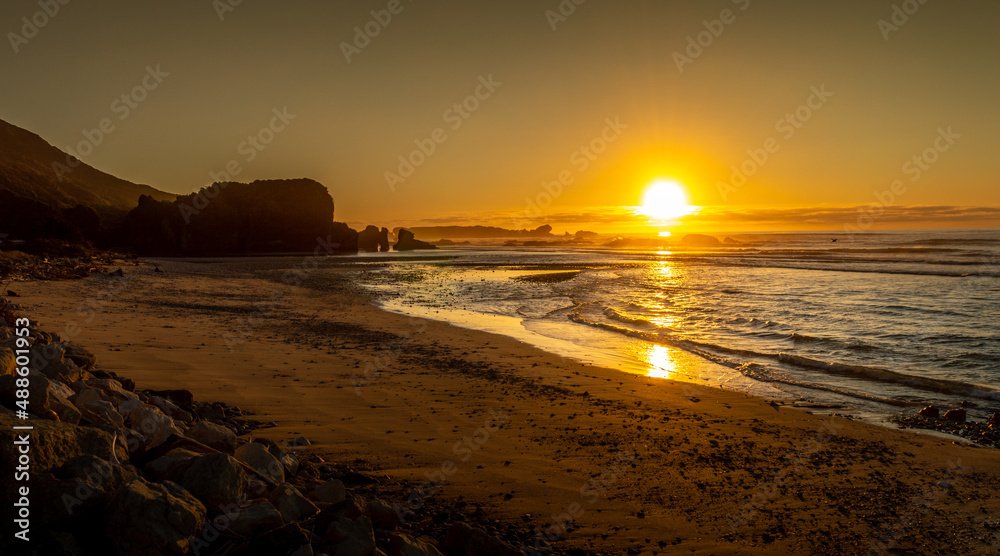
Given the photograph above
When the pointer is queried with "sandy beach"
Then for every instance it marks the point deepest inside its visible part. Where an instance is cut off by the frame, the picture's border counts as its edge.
(526, 439)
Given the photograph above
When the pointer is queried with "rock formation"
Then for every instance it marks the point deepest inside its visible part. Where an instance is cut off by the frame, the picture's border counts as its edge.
(407, 242)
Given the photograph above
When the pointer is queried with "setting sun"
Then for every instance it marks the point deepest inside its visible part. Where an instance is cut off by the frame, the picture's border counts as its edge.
(665, 200)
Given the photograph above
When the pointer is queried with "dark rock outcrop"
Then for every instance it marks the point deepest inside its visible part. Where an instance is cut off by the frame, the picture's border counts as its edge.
(383, 240)
(368, 239)
(265, 216)
(407, 242)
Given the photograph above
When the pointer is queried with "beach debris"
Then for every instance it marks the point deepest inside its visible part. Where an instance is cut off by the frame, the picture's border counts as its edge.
(930, 411)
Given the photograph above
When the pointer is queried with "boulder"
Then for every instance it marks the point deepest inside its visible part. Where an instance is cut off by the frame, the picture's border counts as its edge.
(168, 464)
(153, 519)
(957, 415)
(210, 412)
(256, 456)
(402, 545)
(407, 242)
(67, 412)
(930, 411)
(255, 520)
(83, 358)
(101, 413)
(152, 424)
(171, 410)
(87, 484)
(464, 539)
(330, 492)
(214, 479)
(52, 443)
(183, 399)
(291, 504)
(350, 538)
(213, 436)
(351, 507)
(112, 389)
(50, 359)
(382, 514)
(287, 459)
(88, 395)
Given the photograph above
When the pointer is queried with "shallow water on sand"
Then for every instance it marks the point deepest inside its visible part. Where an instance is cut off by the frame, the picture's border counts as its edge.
(872, 322)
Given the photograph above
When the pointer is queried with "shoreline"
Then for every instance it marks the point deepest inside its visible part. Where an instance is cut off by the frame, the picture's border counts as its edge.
(703, 457)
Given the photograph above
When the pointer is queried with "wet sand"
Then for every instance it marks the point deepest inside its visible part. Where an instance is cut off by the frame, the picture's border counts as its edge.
(522, 437)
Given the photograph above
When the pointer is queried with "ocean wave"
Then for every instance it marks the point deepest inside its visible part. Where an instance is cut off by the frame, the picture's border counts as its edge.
(727, 357)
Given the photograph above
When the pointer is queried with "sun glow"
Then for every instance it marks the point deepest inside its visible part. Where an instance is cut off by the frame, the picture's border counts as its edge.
(665, 200)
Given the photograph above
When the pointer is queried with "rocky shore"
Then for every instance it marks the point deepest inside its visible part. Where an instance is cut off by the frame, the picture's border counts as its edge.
(120, 470)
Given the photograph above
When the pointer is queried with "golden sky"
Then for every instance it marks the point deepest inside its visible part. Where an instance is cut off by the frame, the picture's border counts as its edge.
(820, 106)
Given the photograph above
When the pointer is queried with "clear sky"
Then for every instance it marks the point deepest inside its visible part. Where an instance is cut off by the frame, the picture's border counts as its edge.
(842, 101)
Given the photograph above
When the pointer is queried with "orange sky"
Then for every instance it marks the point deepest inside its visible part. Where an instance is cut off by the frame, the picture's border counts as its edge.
(824, 105)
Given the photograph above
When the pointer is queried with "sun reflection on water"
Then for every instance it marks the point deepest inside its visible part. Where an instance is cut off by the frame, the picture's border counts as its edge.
(661, 362)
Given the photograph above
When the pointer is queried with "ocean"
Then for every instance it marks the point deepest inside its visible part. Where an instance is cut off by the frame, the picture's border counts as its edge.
(866, 324)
